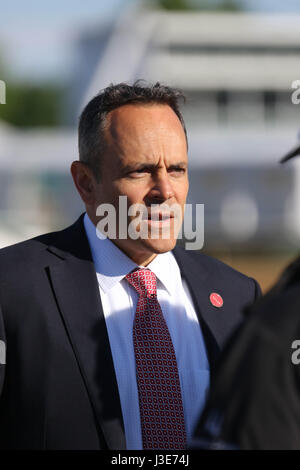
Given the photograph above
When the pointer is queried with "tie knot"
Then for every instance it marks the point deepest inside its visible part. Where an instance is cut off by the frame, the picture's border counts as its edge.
(144, 282)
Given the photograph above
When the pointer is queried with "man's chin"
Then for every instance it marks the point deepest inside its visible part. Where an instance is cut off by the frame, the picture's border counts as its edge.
(161, 236)
(159, 245)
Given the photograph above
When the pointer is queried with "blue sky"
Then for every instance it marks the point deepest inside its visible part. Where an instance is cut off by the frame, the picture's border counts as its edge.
(274, 5)
(60, 11)
(37, 37)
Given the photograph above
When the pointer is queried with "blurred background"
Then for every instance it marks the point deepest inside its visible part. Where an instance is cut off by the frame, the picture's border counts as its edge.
(234, 59)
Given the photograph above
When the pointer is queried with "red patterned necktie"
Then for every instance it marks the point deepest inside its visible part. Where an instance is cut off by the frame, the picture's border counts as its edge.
(161, 409)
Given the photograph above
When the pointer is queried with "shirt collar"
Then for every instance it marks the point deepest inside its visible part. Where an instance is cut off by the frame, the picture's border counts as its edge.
(112, 265)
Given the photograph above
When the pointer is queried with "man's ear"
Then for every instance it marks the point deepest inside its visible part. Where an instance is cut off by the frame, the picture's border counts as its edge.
(84, 181)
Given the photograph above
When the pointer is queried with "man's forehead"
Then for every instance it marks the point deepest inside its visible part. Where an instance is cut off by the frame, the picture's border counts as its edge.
(141, 108)
(140, 118)
(144, 133)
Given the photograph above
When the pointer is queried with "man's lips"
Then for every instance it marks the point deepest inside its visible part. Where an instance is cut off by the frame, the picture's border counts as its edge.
(157, 216)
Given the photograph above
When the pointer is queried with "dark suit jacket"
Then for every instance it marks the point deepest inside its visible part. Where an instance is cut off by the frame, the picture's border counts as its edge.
(58, 388)
(254, 401)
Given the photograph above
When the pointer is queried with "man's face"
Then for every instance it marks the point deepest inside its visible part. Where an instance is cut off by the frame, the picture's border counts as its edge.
(146, 160)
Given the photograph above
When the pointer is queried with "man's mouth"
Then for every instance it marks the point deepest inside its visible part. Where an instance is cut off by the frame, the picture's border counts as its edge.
(159, 216)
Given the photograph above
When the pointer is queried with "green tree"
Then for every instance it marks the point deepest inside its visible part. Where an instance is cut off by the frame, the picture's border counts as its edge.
(229, 5)
(31, 105)
(208, 5)
(174, 4)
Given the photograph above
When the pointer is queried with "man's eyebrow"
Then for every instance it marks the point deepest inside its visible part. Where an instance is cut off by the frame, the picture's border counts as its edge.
(139, 166)
(178, 165)
(151, 166)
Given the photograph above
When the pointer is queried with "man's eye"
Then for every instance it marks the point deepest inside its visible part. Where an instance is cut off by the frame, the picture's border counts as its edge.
(137, 173)
(178, 170)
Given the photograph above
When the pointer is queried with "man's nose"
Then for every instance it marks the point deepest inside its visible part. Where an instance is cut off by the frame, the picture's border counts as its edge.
(162, 189)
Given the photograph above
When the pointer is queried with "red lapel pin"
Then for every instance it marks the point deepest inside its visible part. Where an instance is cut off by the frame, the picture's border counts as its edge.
(216, 300)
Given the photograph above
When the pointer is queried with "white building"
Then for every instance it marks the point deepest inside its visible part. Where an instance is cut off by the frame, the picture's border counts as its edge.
(236, 70)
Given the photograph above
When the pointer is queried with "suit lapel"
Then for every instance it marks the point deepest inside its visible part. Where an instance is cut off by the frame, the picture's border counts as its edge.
(216, 323)
(77, 293)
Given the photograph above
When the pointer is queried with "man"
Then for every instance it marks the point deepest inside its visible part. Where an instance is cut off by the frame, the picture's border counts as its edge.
(110, 340)
(254, 401)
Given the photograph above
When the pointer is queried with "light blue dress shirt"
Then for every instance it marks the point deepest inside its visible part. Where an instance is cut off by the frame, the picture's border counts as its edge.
(119, 300)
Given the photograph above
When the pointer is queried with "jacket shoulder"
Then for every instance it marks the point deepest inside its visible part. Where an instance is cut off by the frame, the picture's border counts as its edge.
(278, 310)
(29, 254)
(209, 263)
(217, 274)
(28, 248)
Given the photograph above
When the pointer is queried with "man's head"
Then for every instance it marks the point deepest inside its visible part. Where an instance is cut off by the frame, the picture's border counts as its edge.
(132, 142)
